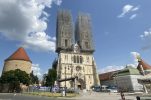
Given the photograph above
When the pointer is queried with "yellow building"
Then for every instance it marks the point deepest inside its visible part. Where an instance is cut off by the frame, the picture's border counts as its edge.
(18, 60)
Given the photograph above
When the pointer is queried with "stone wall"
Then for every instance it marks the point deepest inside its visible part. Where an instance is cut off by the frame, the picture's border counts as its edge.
(17, 64)
(129, 83)
(4, 88)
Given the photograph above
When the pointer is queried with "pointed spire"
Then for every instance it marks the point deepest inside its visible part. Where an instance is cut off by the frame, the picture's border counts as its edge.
(144, 65)
(19, 54)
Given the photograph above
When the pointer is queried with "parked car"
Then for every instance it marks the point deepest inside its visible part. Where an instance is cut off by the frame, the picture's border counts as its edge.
(96, 88)
(112, 89)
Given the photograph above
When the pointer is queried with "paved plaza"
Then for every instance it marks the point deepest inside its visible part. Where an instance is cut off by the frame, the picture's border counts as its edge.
(103, 96)
(82, 96)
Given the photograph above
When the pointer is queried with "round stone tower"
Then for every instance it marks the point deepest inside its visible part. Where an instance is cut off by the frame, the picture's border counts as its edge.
(18, 60)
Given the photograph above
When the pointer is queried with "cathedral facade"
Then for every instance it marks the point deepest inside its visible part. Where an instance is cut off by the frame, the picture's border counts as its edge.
(75, 65)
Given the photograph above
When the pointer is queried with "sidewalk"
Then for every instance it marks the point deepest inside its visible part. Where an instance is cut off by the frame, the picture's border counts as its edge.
(103, 96)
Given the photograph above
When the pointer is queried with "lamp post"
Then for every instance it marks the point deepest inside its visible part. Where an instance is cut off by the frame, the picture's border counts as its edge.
(65, 80)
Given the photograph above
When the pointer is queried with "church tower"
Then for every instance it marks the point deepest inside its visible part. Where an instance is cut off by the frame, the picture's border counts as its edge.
(83, 34)
(76, 66)
(64, 31)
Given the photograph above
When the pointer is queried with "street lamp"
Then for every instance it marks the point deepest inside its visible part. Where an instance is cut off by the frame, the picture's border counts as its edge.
(65, 80)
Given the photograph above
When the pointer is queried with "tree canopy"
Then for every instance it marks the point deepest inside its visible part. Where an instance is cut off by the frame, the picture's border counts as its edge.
(14, 78)
(50, 78)
(33, 78)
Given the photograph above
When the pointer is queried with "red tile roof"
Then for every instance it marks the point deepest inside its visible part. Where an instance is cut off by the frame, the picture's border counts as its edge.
(19, 54)
(107, 76)
(144, 65)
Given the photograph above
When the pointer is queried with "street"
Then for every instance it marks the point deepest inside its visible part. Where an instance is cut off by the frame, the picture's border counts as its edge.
(82, 96)
(10, 96)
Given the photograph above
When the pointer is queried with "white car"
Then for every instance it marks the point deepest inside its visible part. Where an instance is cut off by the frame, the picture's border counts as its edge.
(112, 90)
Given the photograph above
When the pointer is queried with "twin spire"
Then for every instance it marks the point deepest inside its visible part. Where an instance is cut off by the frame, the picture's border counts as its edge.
(67, 36)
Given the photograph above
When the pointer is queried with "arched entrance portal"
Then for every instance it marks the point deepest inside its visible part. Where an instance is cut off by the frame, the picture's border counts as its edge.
(81, 84)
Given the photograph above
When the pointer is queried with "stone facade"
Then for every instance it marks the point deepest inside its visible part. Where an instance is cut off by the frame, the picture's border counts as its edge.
(17, 64)
(124, 79)
(18, 60)
(69, 66)
(75, 58)
(129, 83)
(83, 34)
(64, 31)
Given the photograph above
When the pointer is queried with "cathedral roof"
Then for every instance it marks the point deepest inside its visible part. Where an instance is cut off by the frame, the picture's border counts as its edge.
(144, 65)
(19, 54)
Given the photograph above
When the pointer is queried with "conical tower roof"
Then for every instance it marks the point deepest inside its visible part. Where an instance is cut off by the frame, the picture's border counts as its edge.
(144, 65)
(19, 54)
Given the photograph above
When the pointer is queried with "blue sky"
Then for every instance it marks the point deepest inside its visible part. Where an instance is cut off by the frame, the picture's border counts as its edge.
(121, 30)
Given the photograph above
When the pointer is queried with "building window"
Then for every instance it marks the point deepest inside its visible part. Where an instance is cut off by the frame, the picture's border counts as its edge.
(81, 59)
(87, 59)
(66, 57)
(77, 59)
(74, 59)
(66, 42)
(86, 45)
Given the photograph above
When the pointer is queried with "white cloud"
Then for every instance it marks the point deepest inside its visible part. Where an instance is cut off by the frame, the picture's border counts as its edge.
(133, 16)
(146, 34)
(110, 68)
(135, 54)
(146, 37)
(127, 9)
(115, 67)
(58, 2)
(136, 8)
(40, 40)
(136, 57)
(36, 70)
(132, 65)
(22, 20)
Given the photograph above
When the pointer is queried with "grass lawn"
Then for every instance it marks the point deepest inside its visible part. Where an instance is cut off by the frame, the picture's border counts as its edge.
(50, 94)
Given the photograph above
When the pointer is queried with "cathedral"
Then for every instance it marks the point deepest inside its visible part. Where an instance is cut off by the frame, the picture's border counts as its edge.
(76, 67)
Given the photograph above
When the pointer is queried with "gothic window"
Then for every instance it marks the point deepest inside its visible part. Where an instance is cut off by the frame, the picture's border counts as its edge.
(81, 59)
(86, 45)
(74, 59)
(66, 42)
(77, 59)
(87, 59)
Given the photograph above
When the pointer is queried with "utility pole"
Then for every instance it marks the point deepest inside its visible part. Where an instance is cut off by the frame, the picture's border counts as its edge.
(65, 80)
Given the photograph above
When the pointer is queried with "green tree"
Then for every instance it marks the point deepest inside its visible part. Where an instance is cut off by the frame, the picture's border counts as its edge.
(14, 78)
(50, 78)
(34, 79)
